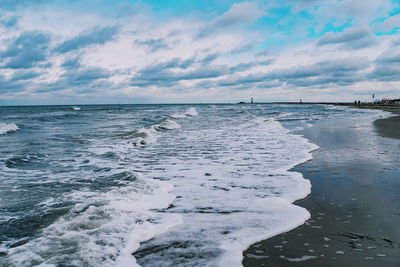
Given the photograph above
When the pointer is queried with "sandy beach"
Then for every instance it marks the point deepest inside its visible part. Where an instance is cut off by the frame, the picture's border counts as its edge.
(354, 203)
(389, 127)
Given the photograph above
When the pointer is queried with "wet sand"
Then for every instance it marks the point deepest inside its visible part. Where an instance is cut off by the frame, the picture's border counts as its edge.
(354, 204)
(389, 127)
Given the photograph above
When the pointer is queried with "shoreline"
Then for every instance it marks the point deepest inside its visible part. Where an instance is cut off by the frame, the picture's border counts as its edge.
(345, 224)
(389, 127)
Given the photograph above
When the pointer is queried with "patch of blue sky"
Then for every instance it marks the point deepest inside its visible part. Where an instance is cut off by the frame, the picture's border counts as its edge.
(331, 26)
(272, 42)
(285, 27)
(203, 9)
(277, 20)
(393, 31)
(395, 8)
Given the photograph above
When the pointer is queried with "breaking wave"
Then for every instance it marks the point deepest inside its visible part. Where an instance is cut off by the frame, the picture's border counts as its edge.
(191, 112)
(167, 124)
(188, 112)
(8, 127)
(224, 177)
(103, 228)
(149, 135)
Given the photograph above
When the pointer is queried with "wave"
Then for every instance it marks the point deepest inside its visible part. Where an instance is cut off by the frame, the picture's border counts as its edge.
(191, 112)
(57, 117)
(76, 108)
(103, 228)
(225, 178)
(167, 124)
(177, 115)
(8, 127)
(148, 135)
(145, 136)
(27, 161)
(188, 112)
(240, 192)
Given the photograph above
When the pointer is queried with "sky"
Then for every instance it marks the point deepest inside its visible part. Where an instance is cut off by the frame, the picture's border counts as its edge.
(200, 51)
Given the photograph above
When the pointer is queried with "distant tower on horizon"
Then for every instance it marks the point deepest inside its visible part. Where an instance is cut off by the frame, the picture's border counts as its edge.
(252, 101)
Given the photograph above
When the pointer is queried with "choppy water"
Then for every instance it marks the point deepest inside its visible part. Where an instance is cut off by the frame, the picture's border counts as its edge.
(176, 184)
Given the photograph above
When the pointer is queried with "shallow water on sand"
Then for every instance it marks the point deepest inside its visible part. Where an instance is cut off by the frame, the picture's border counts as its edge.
(354, 204)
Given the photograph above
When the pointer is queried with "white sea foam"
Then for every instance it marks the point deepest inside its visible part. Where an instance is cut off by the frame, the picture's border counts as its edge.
(148, 135)
(103, 228)
(245, 197)
(191, 112)
(167, 124)
(235, 189)
(177, 116)
(303, 258)
(8, 127)
(187, 112)
(76, 108)
(145, 137)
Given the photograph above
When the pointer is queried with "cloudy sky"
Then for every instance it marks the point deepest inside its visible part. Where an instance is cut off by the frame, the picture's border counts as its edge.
(174, 51)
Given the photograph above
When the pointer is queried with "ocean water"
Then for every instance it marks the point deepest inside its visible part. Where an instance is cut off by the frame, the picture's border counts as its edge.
(150, 185)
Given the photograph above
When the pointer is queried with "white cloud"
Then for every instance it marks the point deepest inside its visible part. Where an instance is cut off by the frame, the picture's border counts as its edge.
(238, 15)
(389, 24)
(224, 65)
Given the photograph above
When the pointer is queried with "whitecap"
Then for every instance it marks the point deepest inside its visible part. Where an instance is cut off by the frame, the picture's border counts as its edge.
(8, 127)
(146, 136)
(177, 115)
(191, 112)
(167, 124)
(103, 228)
(303, 258)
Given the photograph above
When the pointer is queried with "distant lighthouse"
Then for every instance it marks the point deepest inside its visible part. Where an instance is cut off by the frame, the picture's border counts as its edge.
(252, 101)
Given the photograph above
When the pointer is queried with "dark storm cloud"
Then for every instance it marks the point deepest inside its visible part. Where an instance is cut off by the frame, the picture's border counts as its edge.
(208, 58)
(168, 77)
(171, 72)
(12, 85)
(24, 75)
(87, 38)
(339, 72)
(173, 63)
(83, 79)
(9, 22)
(238, 79)
(248, 65)
(387, 66)
(243, 48)
(153, 44)
(390, 57)
(160, 73)
(386, 73)
(353, 38)
(71, 63)
(84, 76)
(396, 42)
(26, 51)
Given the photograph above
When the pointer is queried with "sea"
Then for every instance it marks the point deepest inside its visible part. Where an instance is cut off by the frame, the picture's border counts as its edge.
(151, 185)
